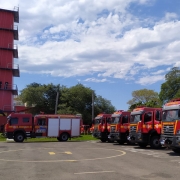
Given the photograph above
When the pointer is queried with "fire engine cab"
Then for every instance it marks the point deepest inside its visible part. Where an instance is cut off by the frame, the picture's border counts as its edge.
(101, 126)
(171, 125)
(21, 126)
(119, 128)
(145, 126)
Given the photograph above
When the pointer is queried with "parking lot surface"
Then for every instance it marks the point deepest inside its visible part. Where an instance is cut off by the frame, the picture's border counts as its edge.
(85, 160)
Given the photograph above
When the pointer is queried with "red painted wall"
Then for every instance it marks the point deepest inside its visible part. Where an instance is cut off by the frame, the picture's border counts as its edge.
(6, 39)
(6, 20)
(6, 59)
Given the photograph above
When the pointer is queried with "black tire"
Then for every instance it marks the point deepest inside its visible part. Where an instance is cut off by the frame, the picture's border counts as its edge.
(142, 145)
(103, 140)
(121, 142)
(155, 142)
(176, 150)
(19, 137)
(110, 141)
(64, 136)
(58, 138)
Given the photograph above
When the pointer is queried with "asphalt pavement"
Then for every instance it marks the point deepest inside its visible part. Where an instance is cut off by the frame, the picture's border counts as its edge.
(85, 161)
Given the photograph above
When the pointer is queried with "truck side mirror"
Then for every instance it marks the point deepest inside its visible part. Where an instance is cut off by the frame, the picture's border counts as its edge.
(158, 115)
(179, 113)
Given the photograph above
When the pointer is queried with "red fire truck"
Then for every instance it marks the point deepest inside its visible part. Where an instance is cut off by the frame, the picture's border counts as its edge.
(21, 126)
(171, 125)
(101, 126)
(145, 126)
(85, 129)
(3, 120)
(119, 128)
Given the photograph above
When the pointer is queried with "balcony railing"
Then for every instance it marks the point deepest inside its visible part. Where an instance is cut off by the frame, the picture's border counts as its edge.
(14, 29)
(8, 108)
(9, 87)
(16, 14)
(14, 47)
(13, 67)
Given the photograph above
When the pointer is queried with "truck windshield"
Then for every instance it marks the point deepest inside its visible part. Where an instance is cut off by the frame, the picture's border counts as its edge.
(170, 115)
(97, 121)
(115, 120)
(136, 118)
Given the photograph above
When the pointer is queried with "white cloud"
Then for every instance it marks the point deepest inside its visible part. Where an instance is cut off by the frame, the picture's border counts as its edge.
(95, 80)
(170, 16)
(68, 38)
(148, 80)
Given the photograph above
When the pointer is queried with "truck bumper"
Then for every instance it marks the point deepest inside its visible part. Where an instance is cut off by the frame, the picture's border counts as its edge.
(176, 142)
(114, 136)
(132, 137)
(97, 135)
(166, 141)
(9, 135)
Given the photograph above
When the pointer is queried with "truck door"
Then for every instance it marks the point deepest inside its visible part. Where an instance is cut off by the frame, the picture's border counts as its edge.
(124, 123)
(53, 127)
(75, 131)
(157, 121)
(41, 127)
(147, 122)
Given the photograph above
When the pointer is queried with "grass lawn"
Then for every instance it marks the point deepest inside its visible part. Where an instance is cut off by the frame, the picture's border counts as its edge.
(81, 138)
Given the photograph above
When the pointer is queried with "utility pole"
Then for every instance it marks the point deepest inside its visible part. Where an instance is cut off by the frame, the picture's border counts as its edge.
(57, 97)
(92, 105)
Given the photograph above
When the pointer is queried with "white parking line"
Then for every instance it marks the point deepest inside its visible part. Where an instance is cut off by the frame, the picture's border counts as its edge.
(95, 172)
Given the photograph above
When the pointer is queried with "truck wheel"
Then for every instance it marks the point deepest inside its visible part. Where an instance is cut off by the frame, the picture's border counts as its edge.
(58, 138)
(142, 145)
(64, 137)
(120, 142)
(110, 141)
(176, 150)
(103, 140)
(19, 137)
(155, 143)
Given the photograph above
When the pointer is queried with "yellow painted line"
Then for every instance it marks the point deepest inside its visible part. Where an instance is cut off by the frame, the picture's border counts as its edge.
(56, 161)
(51, 153)
(95, 172)
(67, 152)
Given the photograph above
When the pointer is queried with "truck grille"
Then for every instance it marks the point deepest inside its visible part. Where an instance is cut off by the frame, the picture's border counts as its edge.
(133, 128)
(168, 130)
(96, 129)
(113, 128)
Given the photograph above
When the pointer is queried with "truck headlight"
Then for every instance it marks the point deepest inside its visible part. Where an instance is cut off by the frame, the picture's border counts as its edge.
(178, 131)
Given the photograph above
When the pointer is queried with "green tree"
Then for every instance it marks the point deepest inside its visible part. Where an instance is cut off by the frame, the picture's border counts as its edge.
(144, 97)
(73, 100)
(103, 105)
(170, 89)
(42, 96)
(78, 99)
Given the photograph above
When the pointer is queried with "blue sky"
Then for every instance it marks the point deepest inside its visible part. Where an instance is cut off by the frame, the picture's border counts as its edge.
(114, 47)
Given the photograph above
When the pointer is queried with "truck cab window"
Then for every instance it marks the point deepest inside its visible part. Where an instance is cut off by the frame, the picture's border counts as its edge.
(13, 121)
(41, 122)
(158, 116)
(25, 120)
(108, 120)
(124, 119)
(147, 117)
